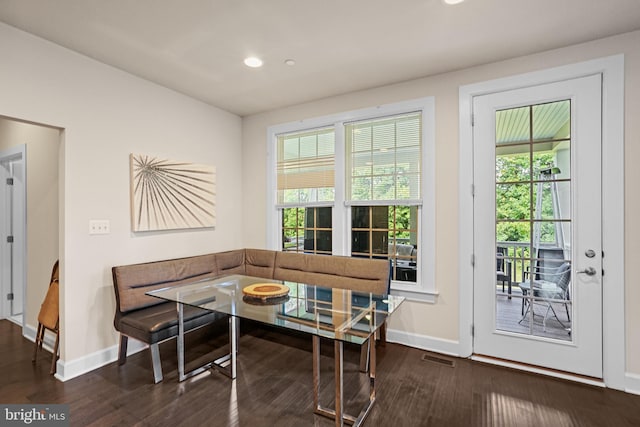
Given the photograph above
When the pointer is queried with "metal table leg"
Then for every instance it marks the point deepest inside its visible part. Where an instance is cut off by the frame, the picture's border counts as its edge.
(180, 308)
(340, 417)
(339, 383)
(226, 364)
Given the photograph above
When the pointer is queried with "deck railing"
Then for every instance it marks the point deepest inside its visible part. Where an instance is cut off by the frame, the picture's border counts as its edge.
(517, 257)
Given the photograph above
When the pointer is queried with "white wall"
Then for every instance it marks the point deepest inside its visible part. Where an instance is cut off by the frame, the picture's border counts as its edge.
(107, 114)
(435, 326)
(43, 144)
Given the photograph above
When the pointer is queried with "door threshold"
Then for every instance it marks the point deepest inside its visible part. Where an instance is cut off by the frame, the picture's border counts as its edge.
(597, 382)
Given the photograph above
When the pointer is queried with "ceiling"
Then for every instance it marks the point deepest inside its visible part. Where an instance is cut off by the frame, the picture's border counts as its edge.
(196, 47)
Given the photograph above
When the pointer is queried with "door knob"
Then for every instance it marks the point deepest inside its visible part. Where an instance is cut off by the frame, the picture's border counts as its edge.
(589, 271)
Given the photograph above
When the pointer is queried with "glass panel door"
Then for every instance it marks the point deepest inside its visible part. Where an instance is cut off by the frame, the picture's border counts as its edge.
(537, 290)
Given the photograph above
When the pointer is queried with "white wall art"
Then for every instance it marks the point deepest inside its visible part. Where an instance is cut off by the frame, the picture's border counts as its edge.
(168, 194)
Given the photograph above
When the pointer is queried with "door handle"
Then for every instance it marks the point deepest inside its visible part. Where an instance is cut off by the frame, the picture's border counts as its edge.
(589, 271)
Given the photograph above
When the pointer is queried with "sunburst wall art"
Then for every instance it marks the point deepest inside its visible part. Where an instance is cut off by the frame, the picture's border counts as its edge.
(167, 194)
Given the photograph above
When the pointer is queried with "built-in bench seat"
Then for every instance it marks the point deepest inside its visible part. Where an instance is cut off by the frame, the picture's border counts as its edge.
(152, 321)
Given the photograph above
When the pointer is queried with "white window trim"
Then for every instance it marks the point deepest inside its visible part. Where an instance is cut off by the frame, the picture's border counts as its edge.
(612, 70)
(424, 289)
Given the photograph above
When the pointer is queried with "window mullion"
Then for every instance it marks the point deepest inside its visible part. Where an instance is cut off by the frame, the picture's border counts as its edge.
(341, 218)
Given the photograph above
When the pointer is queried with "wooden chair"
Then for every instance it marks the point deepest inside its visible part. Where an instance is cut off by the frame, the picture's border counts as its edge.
(48, 318)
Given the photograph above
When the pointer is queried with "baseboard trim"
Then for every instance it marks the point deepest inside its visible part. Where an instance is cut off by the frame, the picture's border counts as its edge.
(17, 319)
(424, 342)
(29, 332)
(632, 383)
(67, 370)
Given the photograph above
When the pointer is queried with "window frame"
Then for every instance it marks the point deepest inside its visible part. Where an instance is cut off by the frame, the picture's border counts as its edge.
(424, 289)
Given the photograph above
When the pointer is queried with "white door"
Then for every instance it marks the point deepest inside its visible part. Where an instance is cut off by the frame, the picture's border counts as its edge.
(12, 235)
(537, 226)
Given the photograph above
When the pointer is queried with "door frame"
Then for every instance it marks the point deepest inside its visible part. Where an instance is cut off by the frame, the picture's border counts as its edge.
(613, 317)
(19, 153)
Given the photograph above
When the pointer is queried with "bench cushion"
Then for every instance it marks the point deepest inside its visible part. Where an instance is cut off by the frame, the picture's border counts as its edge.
(160, 322)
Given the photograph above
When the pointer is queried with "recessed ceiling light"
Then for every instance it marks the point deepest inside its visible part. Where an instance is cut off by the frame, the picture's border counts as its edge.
(452, 1)
(253, 62)
(290, 62)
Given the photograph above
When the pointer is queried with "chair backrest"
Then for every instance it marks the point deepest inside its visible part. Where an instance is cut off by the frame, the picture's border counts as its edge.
(501, 254)
(49, 311)
(55, 272)
(563, 276)
(549, 260)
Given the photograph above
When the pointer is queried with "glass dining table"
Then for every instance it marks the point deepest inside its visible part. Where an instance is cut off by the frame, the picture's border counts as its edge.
(337, 315)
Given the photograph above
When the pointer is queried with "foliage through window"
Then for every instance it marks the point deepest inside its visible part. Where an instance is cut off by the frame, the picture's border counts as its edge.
(307, 230)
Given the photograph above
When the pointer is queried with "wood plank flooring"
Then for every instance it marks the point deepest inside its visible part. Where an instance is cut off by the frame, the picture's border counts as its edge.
(274, 388)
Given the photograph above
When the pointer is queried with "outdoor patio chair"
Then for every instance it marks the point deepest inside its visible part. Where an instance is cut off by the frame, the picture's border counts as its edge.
(548, 284)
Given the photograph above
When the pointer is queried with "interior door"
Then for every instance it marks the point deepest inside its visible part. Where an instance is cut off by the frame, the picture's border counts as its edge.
(12, 206)
(537, 225)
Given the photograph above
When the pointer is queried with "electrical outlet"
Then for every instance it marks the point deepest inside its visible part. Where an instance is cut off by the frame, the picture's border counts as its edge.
(99, 226)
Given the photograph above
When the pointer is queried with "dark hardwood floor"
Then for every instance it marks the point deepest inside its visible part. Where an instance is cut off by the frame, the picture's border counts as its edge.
(274, 388)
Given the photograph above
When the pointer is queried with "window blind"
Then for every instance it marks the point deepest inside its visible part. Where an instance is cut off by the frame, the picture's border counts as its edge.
(305, 167)
(384, 157)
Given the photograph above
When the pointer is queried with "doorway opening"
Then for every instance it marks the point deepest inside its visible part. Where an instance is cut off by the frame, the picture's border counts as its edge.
(29, 204)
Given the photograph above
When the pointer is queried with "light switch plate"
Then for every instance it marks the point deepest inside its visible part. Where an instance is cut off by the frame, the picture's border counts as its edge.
(99, 226)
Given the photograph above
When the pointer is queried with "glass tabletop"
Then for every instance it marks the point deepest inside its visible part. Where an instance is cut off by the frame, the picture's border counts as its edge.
(334, 313)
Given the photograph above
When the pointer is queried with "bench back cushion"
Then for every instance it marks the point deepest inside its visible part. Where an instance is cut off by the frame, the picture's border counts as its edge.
(358, 274)
(260, 263)
(230, 262)
(132, 281)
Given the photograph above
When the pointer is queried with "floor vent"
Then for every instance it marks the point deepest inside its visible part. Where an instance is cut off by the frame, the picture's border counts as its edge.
(436, 358)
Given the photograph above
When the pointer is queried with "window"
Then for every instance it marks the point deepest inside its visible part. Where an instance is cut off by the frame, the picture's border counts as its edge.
(360, 183)
(306, 179)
